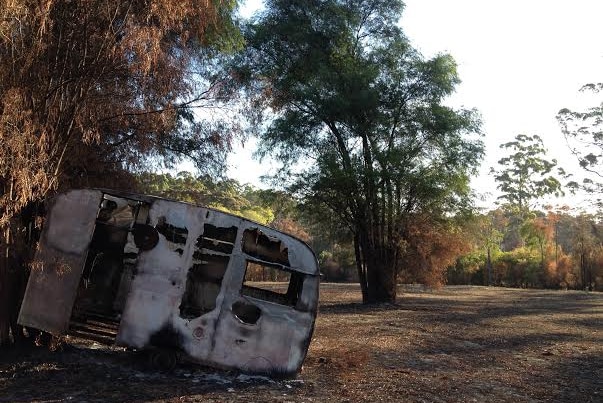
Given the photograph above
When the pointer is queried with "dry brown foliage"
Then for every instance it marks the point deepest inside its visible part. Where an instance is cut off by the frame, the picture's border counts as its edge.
(291, 227)
(92, 89)
(95, 86)
(431, 246)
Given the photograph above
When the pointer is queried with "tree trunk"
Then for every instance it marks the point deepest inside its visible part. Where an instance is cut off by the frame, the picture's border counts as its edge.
(9, 289)
(16, 247)
(381, 287)
(361, 270)
(380, 274)
(4, 291)
(489, 268)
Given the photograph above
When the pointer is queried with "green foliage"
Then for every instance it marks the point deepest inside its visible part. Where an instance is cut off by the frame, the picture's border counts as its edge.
(344, 88)
(468, 269)
(337, 263)
(525, 175)
(485, 232)
(518, 268)
(226, 195)
(559, 251)
(583, 131)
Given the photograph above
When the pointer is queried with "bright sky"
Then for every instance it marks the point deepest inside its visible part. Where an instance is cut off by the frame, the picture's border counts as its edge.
(520, 61)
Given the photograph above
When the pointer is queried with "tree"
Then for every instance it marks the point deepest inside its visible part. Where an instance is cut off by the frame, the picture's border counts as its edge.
(103, 86)
(433, 244)
(525, 175)
(584, 134)
(223, 194)
(488, 235)
(344, 91)
(586, 247)
(538, 233)
(91, 90)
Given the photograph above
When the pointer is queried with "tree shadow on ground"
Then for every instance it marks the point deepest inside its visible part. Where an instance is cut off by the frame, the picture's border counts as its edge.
(548, 338)
(581, 378)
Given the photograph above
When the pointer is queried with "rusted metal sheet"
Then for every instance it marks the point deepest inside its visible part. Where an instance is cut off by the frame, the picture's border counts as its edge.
(59, 261)
(180, 277)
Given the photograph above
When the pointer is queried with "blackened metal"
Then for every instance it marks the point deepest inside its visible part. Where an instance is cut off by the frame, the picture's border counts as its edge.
(146, 237)
(259, 245)
(246, 313)
(172, 233)
(167, 337)
(219, 239)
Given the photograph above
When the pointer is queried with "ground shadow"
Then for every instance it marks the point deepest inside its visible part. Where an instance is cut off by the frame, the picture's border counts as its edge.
(78, 374)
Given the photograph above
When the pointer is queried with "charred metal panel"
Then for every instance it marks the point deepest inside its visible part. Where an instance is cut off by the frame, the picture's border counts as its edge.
(157, 289)
(277, 341)
(59, 261)
(260, 245)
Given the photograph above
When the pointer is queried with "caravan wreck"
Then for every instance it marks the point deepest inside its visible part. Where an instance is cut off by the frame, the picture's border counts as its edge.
(176, 279)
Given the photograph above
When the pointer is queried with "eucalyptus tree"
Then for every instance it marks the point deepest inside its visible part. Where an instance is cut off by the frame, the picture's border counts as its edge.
(525, 175)
(583, 131)
(341, 90)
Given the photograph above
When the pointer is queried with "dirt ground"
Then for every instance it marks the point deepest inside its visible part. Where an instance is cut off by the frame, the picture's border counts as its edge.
(459, 344)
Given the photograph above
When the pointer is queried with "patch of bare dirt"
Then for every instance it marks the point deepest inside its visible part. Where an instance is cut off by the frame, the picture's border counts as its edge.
(460, 344)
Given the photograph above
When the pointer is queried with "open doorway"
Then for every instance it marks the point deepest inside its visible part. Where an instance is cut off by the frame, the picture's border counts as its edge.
(109, 269)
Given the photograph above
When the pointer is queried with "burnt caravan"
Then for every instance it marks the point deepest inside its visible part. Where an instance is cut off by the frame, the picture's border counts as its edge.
(176, 279)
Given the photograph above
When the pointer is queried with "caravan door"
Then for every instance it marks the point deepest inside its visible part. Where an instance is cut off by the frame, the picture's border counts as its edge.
(59, 261)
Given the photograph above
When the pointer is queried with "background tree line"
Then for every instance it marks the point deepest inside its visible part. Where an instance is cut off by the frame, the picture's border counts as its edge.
(552, 248)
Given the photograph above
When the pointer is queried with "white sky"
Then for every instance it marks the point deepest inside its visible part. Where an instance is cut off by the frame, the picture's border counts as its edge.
(520, 62)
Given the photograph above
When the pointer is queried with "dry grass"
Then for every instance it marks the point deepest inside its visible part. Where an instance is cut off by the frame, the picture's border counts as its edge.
(459, 344)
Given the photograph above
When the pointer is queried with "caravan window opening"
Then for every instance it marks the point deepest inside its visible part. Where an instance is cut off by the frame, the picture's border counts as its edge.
(203, 284)
(272, 283)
